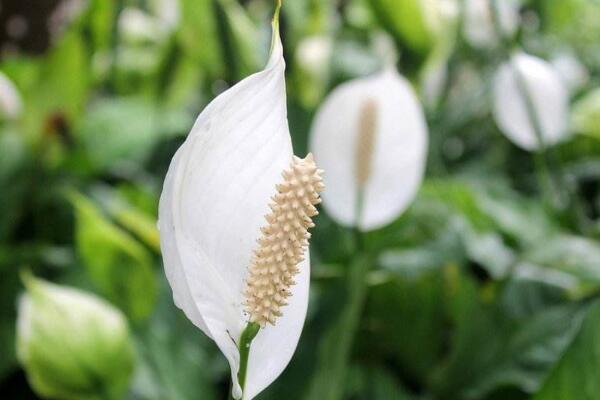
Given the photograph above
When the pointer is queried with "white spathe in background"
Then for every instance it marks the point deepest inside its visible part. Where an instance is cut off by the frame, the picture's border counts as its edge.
(478, 24)
(11, 104)
(549, 99)
(398, 156)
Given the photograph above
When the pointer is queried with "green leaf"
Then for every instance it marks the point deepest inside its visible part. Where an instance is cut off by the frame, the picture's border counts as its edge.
(124, 131)
(50, 92)
(570, 262)
(199, 35)
(407, 318)
(575, 377)
(119, 266)
(241, 41)
(175, 360)
(505, 344)
(373, 383)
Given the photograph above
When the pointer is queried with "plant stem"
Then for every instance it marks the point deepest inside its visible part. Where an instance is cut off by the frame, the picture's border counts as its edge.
(246, 339)
(335, 347)
(551, 188)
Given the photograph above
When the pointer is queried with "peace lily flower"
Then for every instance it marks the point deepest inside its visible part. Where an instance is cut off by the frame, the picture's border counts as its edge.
(571, 70)
(233, 217)
(73, 345)
(524, 85)
(370, 136)
(10, 99)
(478, 26)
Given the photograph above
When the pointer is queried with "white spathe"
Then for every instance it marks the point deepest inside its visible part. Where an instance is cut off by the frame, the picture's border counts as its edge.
(214, 200)
(572, 71)
(11, 104)
(399, 154)
(478, 25)
(549, 96)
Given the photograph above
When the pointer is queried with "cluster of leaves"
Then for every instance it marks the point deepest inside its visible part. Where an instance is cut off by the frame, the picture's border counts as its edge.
(482, 290)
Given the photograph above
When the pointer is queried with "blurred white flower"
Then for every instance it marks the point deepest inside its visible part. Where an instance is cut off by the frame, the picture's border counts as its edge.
(572, 71)
(137, 25)
(72, 344)
(10, 99)
(478, 24)
(212, 214)
(168, 13)
(313, 62)
(370, 136)
(526, 74)
(314, 54)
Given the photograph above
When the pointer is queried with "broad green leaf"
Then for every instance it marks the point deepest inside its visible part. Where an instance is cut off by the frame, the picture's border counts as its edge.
(501, 345)
(133, 218)
(124, 131)
(575, 377)
(572, 262)
(118, 265)
(407, 318)
(370, 383)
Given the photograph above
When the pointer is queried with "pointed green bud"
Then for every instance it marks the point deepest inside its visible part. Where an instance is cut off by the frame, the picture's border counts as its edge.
(72, 345)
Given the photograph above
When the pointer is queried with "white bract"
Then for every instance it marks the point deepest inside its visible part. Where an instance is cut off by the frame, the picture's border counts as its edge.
(572, 71)
(370, 136)
(478, 25)
(215, 198)
(527, 75)
(10, 99)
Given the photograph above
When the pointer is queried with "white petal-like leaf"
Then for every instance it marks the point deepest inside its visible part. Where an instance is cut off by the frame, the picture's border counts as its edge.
(398, 156)
(478, 26)
(548, 94)
(214, 200)
(10, 99)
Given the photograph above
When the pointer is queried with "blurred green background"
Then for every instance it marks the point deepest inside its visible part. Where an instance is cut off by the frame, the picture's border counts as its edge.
(487, 288)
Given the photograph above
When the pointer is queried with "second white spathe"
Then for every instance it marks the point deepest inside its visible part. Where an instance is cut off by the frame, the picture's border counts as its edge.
(399, 149)
(549, 98)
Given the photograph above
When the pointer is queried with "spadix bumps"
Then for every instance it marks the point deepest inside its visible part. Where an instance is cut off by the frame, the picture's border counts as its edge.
(223, 269)
(284, 241)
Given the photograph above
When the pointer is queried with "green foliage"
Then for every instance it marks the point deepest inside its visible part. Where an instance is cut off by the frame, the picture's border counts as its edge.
(120, 267)
(573, 376)
(481, 290)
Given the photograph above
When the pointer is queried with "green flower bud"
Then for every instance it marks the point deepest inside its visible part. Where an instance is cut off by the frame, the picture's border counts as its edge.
(586, 114)
(72, 345)
(417, 24)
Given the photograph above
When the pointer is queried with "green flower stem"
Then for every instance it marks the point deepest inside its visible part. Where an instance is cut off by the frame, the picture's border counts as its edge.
(246, 339)
(335, 347)
(552, 191)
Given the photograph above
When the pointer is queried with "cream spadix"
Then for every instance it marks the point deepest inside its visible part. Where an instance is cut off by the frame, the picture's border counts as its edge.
(371, 138)
(522, 78)
(283, 242)
(215, 198)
